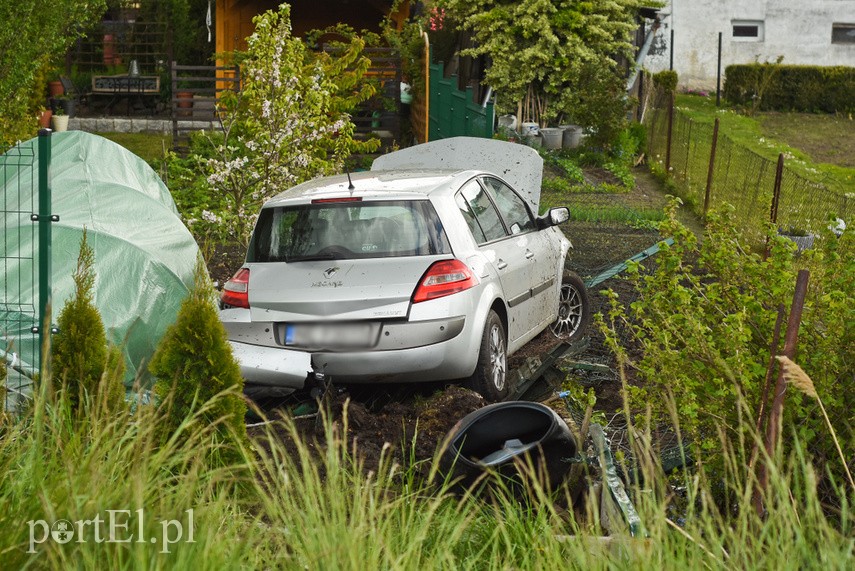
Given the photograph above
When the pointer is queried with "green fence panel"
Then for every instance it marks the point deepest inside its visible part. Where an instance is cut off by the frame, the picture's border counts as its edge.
(453, 113)
(26, 221)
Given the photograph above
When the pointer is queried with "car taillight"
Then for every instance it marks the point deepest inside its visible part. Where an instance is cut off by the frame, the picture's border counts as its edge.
(444, 278)
(236, 290)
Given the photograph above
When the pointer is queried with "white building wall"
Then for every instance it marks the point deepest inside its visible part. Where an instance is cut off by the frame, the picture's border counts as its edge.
(799, 31)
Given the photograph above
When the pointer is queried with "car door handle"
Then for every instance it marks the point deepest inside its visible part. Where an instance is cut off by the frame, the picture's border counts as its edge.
(529, 254)
(502, 264)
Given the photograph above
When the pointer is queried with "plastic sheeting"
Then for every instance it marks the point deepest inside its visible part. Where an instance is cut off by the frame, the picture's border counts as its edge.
(144, 255)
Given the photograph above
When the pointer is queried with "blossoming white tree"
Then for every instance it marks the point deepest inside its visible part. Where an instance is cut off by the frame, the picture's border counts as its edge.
(290, 121)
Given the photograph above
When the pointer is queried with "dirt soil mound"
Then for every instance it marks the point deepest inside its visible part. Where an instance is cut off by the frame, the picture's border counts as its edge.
(411, 430)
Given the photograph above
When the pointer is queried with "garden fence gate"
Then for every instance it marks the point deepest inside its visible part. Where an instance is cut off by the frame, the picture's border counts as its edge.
(453, 113)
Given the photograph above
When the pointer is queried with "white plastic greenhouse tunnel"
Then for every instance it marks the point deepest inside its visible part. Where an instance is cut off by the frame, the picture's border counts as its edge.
(144, 255)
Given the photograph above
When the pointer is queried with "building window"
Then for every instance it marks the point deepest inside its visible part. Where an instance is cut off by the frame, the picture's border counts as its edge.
(843, 33)
(747, 30)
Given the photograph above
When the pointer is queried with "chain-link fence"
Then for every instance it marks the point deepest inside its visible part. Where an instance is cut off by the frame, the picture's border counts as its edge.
(708, 167)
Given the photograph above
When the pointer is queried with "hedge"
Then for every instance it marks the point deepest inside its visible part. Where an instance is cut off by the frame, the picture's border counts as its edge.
(792, 87)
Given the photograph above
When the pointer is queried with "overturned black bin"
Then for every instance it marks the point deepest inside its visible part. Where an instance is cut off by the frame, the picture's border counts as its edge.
(498, 436)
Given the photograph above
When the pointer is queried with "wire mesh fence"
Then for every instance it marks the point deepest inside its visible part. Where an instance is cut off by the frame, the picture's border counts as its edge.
(740, 177)
(18, 282)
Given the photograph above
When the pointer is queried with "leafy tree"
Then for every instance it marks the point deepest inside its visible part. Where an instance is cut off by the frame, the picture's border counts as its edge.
(33, 35)
(194, 364)
(290, 122)
(562, 54)
(80, 353)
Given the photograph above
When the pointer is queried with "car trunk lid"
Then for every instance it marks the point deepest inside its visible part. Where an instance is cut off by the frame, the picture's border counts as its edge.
(335, 290)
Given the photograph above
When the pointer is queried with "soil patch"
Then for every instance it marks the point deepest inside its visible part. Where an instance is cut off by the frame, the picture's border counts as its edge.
(826, 138)
(409, 430)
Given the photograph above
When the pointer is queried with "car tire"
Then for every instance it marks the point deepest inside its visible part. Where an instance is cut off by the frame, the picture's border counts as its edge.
(490, 378)
(574, 309)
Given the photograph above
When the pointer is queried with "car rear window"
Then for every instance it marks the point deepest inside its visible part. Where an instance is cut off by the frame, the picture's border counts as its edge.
(346, 230)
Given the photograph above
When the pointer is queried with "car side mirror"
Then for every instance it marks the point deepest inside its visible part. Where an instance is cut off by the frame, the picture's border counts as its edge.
(558, 215)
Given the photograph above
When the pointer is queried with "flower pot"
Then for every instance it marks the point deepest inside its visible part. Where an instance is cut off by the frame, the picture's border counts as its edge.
(184, 103)
(60, 123)
(110, 51)
(508, 122)
(552, 137)
(204, 107)
(55, 88)
(70, 107)
(44, 119)
(572, 136)
(803, 242)
(530, 128)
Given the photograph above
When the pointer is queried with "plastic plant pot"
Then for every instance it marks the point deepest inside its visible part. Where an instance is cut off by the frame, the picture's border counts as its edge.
(506, 436)
(552, 137)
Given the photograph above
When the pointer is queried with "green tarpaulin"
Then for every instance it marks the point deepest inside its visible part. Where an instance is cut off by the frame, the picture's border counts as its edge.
(144, 255)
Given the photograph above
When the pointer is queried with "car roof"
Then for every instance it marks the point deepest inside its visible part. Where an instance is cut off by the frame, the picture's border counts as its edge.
(397, 184)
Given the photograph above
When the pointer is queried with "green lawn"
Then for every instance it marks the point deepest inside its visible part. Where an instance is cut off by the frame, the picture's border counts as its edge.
(148, 146)
(816, 145)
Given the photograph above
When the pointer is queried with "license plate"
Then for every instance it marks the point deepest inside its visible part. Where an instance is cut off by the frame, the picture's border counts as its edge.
(330, 335)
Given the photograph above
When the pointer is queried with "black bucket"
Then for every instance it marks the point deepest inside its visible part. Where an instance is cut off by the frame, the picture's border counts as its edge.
(497, 437)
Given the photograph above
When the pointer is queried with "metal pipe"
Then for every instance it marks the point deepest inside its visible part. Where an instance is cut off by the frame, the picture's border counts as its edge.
(427, 86)
(642, 54)
(44, 219)
(671, 62)
(718, 75)
(487, 97)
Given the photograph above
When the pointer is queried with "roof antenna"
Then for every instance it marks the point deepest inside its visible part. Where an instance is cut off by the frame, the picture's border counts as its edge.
(349, 182)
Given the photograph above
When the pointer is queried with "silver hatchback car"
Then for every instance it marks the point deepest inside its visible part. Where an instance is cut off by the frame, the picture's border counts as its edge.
(403, 275)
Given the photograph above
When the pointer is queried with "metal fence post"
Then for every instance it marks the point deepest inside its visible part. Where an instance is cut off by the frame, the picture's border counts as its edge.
(776, 193)
(718, 75)
(44, 218)
(773, 428)
(711, 169)
(670, 132)
(776, 198)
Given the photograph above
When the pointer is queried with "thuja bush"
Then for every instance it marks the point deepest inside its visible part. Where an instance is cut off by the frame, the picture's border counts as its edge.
(704, 322)
(197, 374)
(80, 354)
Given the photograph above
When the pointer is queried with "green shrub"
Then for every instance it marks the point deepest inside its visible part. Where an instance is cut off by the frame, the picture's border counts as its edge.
(704, 319)
(80, 354)
(666, 80)
(792, 88)
(556, 185)
(197, 373)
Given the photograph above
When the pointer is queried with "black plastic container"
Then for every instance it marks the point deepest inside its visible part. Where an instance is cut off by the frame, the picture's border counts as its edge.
(500, 436)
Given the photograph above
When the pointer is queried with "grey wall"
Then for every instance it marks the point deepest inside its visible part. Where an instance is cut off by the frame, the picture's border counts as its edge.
(799, 31)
